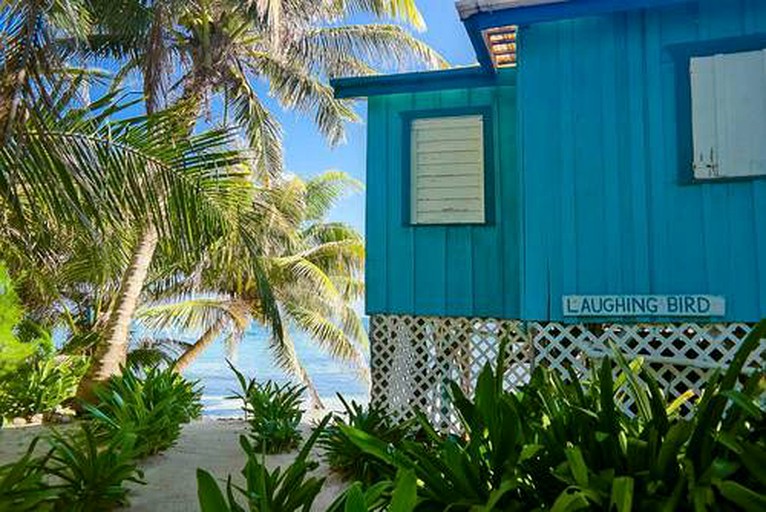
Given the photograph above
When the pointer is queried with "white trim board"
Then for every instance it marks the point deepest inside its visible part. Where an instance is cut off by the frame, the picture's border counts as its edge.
(468, 8)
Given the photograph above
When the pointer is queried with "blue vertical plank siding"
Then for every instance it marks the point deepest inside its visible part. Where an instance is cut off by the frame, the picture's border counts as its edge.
(376, 215)
(459, 246)
(400, 281)
(443, 270)
(591, 179)
(429, 254)
(626, 223)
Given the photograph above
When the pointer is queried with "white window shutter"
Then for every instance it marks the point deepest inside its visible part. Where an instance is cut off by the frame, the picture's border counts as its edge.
(729, 115)
(704, 118)
(447, 170)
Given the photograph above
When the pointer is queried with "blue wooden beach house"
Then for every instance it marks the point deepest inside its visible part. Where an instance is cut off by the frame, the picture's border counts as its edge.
(599, 177)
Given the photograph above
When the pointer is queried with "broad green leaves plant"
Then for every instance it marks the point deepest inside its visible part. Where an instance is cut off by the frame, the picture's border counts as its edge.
(22, 484)
(13, 351)
(285, 490)
(610, 442)
(397, 496)
(77, 474)
(92, 475)
(41, 384)
(345, 457)
(152, 407)
(273, 411)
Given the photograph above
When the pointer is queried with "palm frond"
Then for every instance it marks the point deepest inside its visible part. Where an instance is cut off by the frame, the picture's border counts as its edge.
(324, 190)
(378, 45)
(328, 336)
(308, 276)
(283, 351)
(193, 314)
(263, 130)
(297, 89)
(84, 169)
(403, 10)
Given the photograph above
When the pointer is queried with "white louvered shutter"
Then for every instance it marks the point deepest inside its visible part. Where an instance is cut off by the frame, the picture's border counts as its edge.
(447, 170)
(729, 115)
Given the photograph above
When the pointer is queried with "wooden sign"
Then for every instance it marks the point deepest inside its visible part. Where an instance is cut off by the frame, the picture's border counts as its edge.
(644, 305)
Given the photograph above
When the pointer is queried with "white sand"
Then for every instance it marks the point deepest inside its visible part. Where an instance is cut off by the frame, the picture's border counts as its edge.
(171, 480)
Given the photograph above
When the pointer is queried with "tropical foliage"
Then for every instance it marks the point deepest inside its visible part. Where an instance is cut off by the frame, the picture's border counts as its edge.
(78, 473)
(22, 484)
(90, 476)
(13, 351)
(314, 271)
(273, 411)
(345, 457)
(105, 211)
(399, 495)
(572, 445)
(150, 407)
(40, 385)
(285, 490)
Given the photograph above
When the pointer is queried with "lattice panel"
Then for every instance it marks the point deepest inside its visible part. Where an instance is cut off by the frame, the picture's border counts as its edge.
(413, 357)
(682, 356)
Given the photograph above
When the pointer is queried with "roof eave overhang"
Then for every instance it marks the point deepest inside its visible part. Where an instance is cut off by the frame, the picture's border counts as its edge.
(467, 8)
(480, 15)
(456, 78)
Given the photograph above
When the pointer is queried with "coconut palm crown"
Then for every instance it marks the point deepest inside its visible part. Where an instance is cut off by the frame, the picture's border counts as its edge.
(315, 276)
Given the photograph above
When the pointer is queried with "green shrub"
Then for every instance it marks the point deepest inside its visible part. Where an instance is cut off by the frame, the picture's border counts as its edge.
(89, 475)
(277, 490)
(40, 385)
(393, 496)
(152, 407)
(574, 445)
(346, 458)
(13, 351)
(23, 487)
(78, 474)
(273, 412)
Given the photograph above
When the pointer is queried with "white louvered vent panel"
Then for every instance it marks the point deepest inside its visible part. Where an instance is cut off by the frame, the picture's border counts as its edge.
(729, 115)
(447, 170)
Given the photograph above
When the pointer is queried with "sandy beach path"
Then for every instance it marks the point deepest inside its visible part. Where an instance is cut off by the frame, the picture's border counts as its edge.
(171, 481)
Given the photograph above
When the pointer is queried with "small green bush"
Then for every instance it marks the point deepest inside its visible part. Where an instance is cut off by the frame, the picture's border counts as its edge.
(23, 486)
(400, 495)
(152, 407)
(278, 490)
(346, 458)
(90, 476)
(13, 351)
(78, 474)
(273, 412)
(40, 385)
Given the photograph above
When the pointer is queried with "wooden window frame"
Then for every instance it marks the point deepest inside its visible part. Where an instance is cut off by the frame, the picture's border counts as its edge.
(682, 55)
(407, 119)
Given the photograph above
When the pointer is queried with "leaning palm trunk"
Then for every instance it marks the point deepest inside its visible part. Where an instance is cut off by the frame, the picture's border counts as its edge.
(112, 351)
(199, 346)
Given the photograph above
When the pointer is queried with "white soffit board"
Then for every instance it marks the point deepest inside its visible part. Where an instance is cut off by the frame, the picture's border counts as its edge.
(468, 8)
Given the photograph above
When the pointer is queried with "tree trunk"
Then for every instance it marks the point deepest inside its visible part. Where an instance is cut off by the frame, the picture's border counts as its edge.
(112, 351)
(199, 346)
(316, 402)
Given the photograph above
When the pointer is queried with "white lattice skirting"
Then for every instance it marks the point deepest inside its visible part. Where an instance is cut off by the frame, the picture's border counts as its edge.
(412, 357)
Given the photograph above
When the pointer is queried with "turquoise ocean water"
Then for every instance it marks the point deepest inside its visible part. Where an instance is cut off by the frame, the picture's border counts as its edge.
(253, 358)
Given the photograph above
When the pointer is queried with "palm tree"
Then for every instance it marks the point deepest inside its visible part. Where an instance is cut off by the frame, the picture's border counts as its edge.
(315, 278)
(77, 171)
(31, 64)
(192, 52)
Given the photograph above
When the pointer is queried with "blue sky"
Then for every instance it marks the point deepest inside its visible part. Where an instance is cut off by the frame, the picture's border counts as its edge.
(307, 153)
